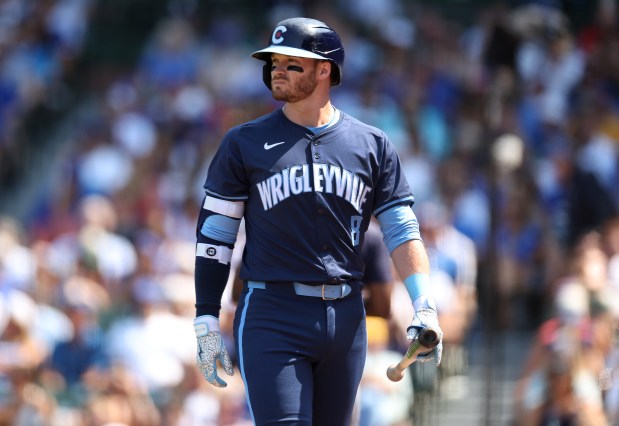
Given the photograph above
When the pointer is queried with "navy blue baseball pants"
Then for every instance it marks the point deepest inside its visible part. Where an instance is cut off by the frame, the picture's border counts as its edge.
(301, 357)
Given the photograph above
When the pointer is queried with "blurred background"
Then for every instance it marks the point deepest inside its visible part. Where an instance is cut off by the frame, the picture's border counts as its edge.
(505, 115)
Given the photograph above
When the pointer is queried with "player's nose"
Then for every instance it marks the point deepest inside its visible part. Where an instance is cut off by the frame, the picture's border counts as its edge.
(277, 70)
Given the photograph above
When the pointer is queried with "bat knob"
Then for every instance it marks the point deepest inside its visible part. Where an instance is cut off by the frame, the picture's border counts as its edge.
(394, 374)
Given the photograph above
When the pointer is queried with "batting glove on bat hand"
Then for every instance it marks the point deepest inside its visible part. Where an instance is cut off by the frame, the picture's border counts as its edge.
(211, 348)
(426, 316)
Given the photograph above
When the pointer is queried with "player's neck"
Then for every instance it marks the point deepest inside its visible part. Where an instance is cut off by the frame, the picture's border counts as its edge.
(309, 114)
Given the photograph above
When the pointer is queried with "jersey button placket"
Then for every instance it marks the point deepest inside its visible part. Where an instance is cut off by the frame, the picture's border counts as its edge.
(315, 147)
(321, 210)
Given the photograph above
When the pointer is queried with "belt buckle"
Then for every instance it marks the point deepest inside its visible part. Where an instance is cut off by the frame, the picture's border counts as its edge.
(323, 293)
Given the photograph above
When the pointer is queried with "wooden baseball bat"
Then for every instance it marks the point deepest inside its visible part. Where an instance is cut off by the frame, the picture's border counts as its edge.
(427, 339)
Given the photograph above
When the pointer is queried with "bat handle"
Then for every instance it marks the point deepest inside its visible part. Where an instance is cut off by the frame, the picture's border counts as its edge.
(427, 339)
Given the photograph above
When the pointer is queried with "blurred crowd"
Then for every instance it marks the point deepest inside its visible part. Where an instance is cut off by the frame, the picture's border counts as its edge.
(508, 130)
(39, 44)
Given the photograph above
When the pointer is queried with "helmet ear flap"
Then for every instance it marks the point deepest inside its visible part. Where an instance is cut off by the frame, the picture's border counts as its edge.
(266, 73)
(336, 74)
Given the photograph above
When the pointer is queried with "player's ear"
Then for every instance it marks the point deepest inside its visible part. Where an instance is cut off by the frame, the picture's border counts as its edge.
(324, 70)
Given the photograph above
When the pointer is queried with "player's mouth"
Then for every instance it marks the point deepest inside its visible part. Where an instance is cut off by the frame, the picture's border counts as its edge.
(278, 80)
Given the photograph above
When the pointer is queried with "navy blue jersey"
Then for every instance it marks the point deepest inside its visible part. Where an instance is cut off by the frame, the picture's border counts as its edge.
(378, 268)
(309, 198)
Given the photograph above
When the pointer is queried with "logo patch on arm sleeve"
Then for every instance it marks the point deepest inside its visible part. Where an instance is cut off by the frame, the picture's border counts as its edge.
(222, 254)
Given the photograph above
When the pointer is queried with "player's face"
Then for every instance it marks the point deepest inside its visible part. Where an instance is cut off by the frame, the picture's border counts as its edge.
(292, 79)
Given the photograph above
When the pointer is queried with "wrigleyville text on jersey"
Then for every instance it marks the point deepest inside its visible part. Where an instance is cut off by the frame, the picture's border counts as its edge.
(327, 178)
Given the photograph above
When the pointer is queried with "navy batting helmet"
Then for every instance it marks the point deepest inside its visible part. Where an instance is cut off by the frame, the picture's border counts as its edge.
(304, 38)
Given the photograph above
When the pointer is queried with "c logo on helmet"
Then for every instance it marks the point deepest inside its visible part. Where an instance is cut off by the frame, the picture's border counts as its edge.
(278, 34)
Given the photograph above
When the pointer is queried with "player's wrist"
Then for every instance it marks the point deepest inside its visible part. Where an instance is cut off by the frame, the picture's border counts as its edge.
(205, 324)
(424, 302)
(418, 288)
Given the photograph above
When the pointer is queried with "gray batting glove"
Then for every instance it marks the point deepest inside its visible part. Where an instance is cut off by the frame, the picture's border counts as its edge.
(211, 348)
(426, 316)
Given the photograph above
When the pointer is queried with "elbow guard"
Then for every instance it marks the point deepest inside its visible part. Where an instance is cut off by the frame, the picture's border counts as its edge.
(218, 229)
(216, 233)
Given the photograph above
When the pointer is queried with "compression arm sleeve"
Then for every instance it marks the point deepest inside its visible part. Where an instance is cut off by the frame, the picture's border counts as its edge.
(398, 225)
(217, 229)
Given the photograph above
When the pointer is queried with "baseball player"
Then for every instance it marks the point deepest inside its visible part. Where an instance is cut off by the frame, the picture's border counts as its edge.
(306, 178)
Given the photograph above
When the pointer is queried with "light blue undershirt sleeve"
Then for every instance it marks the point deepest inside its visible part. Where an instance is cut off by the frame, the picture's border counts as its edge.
(398, 225)
(221, 228)
(418, 286)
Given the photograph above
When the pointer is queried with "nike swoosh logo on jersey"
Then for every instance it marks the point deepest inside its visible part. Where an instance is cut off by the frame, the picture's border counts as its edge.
(268, 146)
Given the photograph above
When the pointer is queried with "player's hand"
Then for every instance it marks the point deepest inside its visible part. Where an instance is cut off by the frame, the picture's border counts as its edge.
(426, 316)
(211, 348)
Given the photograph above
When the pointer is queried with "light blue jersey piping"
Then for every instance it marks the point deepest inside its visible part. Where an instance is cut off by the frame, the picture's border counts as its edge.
(241, 357)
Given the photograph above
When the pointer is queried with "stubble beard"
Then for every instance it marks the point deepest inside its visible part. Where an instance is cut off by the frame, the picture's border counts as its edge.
(302, 89)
